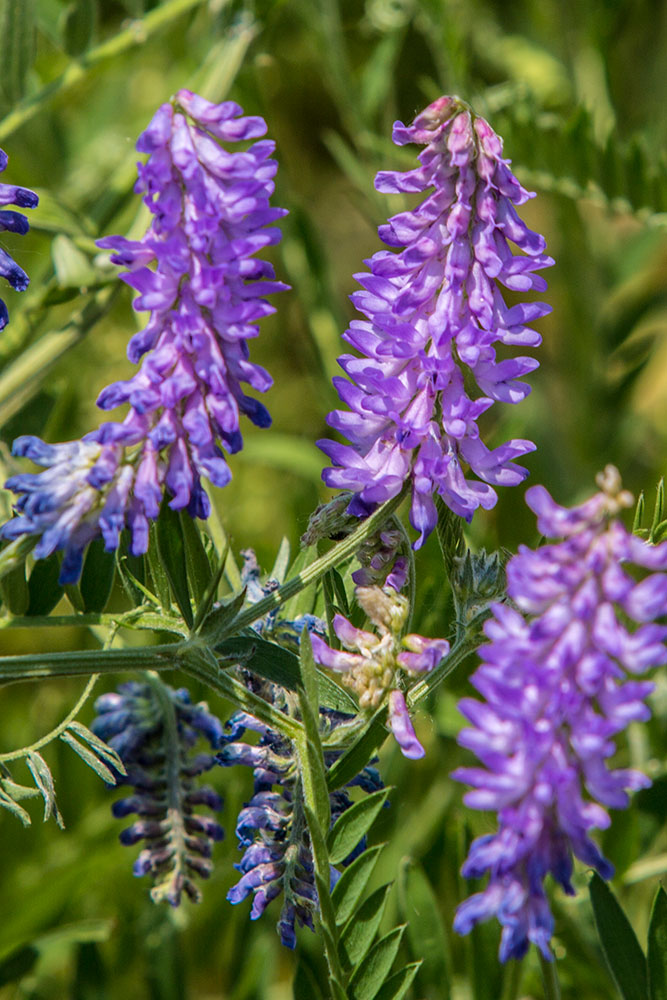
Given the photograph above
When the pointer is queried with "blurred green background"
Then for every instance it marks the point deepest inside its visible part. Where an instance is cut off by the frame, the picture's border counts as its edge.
(578, 91)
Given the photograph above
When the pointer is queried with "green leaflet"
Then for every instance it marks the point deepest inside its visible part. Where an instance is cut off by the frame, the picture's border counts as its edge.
(398, 984)
(97, 576)
(356, 758)
(370, 976)
(43, 588)
(351, 885)
(425, 930)
(17, 31)
(281, 666)
(89, 758)
(657, 947)
(79, 27)
(359, 932)
(44, 782)
(353, 825)
(624, 956)
(171, 551)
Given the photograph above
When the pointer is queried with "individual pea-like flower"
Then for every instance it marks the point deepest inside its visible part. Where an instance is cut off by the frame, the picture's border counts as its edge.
(13, 222)
(434, 313)
(553, 679)
(373, 664)
(154, 728)
(271, 827)
(205, 291)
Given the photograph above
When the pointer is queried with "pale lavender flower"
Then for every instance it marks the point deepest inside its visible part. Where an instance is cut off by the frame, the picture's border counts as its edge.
(153, 728)
(13, 222)
(198, 278)
(434, 313)
(374, 664)
(554, 682)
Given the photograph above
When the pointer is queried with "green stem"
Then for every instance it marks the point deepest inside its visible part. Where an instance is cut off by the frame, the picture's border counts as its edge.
(549, 978)
(35, 666)
(137, 33)
(462, 648)
(512, 979)
(55, 733)
(347, 547)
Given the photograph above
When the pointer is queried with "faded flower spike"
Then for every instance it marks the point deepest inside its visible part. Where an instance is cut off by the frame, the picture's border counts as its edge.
(553, 680)
(434, 311)
(272, 828)
(373, 664)
(153, 728)
(198, 278)
(13, 222)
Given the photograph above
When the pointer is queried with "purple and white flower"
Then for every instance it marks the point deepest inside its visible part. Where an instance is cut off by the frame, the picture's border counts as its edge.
(553, 679)
(434, 315)
(373, 663)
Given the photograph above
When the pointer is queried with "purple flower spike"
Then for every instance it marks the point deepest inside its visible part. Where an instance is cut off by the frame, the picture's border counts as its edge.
(553, 680)
(271, 827)
(373, 663)
(13, 222)
(153, 728)
(197, 276)
(434, 313)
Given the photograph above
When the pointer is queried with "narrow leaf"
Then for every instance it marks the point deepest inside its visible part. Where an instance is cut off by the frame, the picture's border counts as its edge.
(399, 984)
(306, 985)
(426, 929)
(44, 591)
(17, 32)
(367, 980)
(353, 825)
(97, 576)
(360, 930)
(317, 795)
(361, 751)
(351, 885)
(620, 946)
(8, 803)
(279, 665)
(217, 624)
(87, 755)
(101, 748)
(14, 590)
(279, 569)
(657, 947)
(198, 565)
(80, 26)
(171, 550)
(44, 781)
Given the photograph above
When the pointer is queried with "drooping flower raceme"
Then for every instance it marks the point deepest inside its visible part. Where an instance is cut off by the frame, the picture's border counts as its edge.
(153, 729)
(373, 664)
(434, 313)
(13, 222)
(554, 682)
(271, 827)
(198, 278)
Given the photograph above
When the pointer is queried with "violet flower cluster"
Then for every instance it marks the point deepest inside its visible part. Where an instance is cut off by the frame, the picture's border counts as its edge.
(153, 728)
(555, 694)
(374, 664)
(13, 222)
(272, 829)
(434, 311)
(197, 276)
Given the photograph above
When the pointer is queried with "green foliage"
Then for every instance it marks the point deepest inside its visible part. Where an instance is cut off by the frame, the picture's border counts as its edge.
(578, 94)
(624, 956)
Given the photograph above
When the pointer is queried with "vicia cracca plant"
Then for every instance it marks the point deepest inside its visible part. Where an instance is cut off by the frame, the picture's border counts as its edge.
(318, 659)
